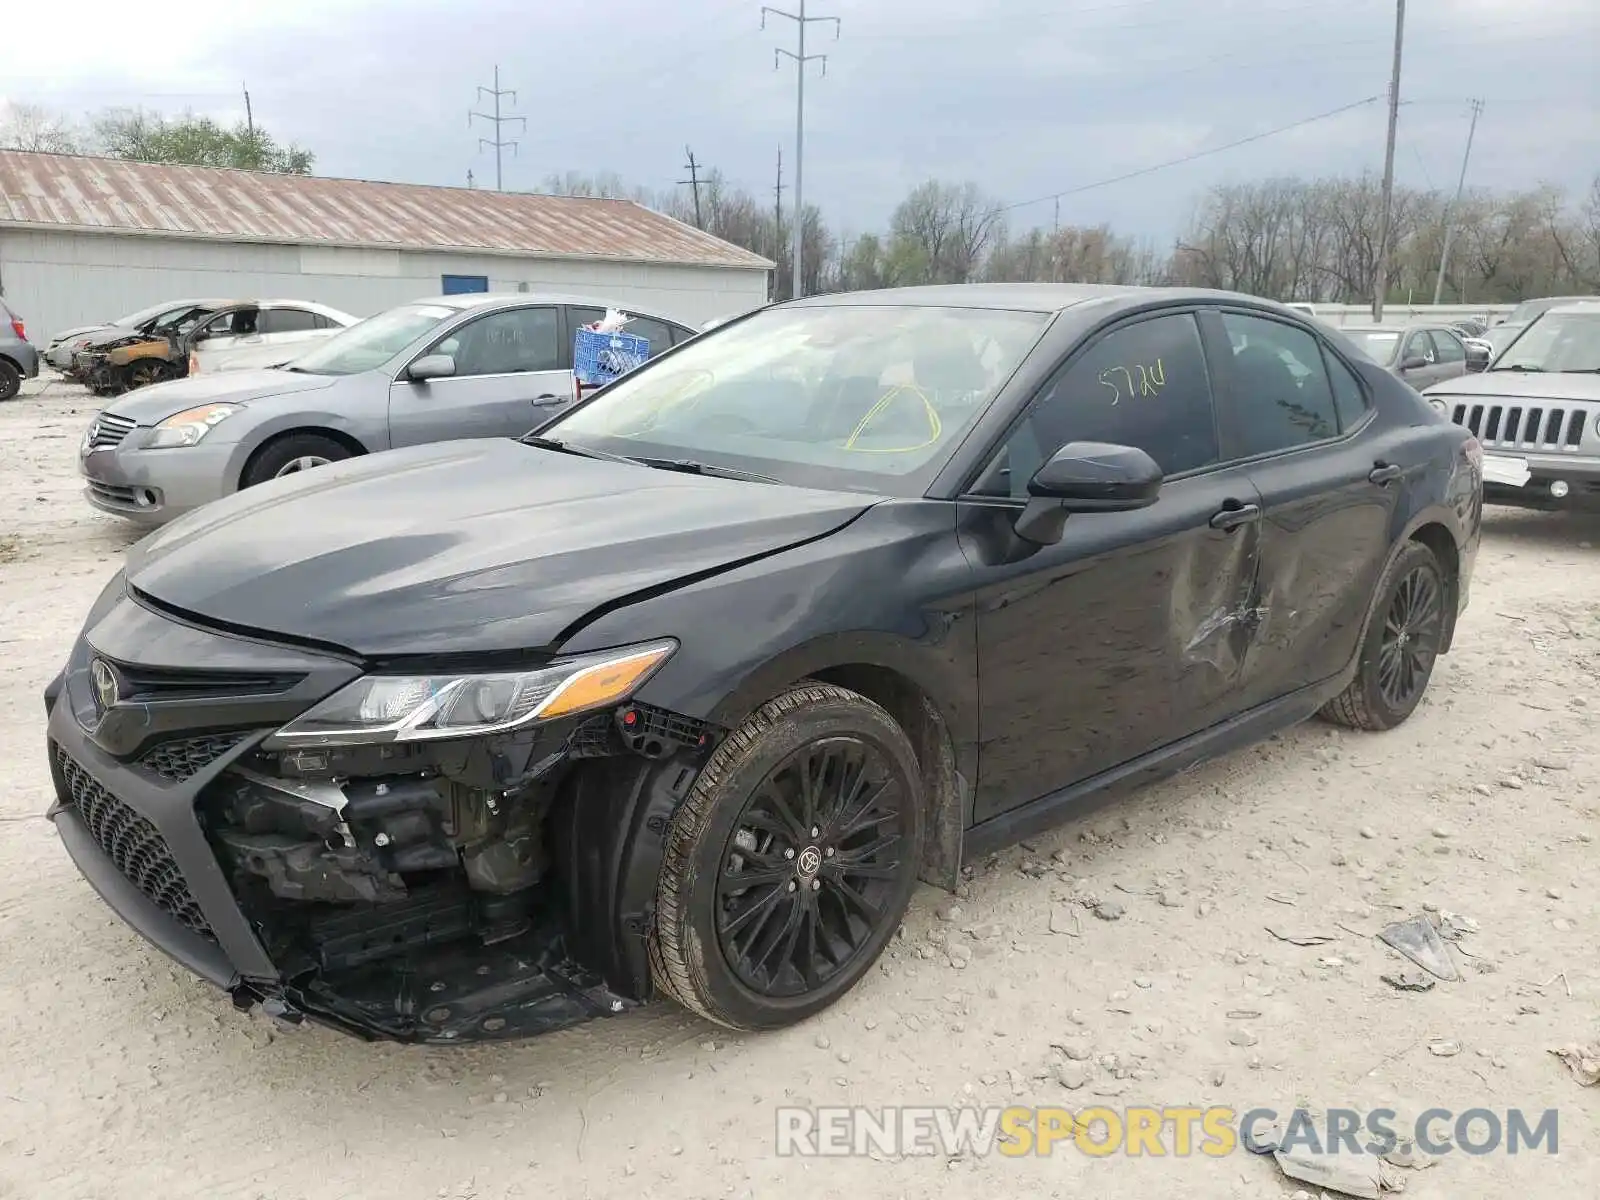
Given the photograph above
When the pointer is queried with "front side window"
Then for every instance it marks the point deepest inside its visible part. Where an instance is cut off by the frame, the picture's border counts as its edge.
(369, 344)
(1556, 342)
(854, 396)
(506, 343)
(1142, 385)
(1419, 345)
(1380, 345)
(1282, 397)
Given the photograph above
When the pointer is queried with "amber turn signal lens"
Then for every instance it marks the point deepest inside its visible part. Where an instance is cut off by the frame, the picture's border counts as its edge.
(603, 684)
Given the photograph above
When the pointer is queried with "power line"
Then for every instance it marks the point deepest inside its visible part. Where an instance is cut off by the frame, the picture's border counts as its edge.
(694, 183)
(800, 57)
(1189, 158)
(1450, 213)
(777, 210)
(1380, 283)
(496, 92)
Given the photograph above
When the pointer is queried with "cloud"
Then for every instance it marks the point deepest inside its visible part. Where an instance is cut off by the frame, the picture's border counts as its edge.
(1024, 96)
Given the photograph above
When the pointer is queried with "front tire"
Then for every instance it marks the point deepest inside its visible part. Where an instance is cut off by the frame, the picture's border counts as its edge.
(1402, 643)
(10, 380)
(290, 455)
(790, 865)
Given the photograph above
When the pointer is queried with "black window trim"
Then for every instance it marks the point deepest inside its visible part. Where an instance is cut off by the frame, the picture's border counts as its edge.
(1081, 346)
(1230, 412)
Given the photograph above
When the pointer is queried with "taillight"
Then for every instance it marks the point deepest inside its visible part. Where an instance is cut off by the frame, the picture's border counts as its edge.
(16, 327)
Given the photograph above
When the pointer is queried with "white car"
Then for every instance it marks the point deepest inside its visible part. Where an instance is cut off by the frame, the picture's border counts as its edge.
(262, 333)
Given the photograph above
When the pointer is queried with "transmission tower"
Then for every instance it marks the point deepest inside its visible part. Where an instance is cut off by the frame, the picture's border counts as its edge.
(497, 120)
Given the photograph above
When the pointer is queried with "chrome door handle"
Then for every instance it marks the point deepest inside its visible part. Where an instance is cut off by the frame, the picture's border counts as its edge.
(1232, 518)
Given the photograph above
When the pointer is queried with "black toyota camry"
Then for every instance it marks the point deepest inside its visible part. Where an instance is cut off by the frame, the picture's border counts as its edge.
(683, 692)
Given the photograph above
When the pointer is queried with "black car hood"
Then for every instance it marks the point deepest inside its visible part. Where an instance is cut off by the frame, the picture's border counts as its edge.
(458, 547)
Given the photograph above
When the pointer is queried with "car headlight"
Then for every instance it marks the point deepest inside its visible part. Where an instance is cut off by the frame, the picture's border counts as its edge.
(417, 708)
(1439, 406)
(188, 427)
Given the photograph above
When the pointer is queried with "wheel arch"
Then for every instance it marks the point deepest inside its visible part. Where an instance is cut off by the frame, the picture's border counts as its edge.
(343, 438)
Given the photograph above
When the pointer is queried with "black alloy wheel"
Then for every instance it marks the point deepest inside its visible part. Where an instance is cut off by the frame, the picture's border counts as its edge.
(1404, 638)
(1413, 630)
(811, 867)
(790, 864)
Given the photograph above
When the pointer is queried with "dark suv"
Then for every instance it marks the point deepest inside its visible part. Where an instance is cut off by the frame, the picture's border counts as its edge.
(18, 359)
(681, 693)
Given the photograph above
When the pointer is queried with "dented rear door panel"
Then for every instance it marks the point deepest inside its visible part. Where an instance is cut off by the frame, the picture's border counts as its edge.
(1325, 537)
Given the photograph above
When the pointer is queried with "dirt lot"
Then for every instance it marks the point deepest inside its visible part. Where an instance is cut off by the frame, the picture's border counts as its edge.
(120, 1075)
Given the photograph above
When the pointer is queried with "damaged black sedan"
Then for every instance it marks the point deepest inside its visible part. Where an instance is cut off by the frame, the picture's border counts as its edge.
(682, 693)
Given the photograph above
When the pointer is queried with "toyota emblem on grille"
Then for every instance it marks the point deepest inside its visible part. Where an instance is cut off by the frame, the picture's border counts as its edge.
(104, 679)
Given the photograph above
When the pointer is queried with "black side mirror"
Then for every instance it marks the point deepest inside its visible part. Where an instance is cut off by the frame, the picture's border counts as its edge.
(1087, 477)
(1477, 359)
(1412, 362)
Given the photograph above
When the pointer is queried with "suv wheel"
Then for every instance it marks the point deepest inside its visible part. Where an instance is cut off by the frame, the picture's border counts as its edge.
(790, 865)
(10, 379)
(1400, 647)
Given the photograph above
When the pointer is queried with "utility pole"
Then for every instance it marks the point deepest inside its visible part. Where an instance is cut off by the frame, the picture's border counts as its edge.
(249, 117)
(496, 92)
(694, 183)
(800, 59)
(470, 184)
(777, 220)
(1455, 204)
(1381, 283)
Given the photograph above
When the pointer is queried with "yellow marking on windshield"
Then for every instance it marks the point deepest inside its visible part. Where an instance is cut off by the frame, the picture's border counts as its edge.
(934, 423)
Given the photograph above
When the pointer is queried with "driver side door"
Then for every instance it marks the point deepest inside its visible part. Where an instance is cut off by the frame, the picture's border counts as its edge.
(1130, 632)
(509, 375)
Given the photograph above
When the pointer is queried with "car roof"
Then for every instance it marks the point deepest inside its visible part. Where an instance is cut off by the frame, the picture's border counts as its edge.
(469, 301)
(1027, 297)
(1582, 306)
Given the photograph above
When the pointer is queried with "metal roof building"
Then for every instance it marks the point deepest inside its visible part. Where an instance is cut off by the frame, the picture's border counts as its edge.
(87, 239)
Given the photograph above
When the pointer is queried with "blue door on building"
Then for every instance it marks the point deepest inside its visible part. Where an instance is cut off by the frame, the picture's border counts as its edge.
(456, 285)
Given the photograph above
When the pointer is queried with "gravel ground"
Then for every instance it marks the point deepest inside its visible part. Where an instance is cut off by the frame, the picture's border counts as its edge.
(120, 1075)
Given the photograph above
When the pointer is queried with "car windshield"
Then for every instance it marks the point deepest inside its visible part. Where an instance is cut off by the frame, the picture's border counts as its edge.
(1556, 342)
(857, 397)
(371, 343)
(1502, 336)
(135, 319)
(1379, 344)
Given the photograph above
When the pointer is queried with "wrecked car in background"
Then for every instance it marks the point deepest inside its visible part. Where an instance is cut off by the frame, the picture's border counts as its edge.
(63, 345)
(265, 333)
(679, 694)
(120, 359)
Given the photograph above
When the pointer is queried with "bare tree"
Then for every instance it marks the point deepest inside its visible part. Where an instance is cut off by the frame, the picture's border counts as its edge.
(36, 128)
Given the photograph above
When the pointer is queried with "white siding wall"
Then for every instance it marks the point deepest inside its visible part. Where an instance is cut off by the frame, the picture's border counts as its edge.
(58, 280)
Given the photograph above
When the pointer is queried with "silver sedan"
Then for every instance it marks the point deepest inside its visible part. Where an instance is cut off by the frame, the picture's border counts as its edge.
(450, 367)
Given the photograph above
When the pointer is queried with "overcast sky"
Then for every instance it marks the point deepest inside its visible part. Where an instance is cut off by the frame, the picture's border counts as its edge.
(1027, 97)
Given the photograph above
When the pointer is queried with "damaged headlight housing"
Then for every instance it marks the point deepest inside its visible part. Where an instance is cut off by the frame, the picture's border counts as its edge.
(188, 427)
(430, 707)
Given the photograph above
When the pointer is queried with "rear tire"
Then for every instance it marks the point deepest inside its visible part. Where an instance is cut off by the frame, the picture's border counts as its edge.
(145, 372)
(1401, 644)
(10, 380)
(290, 455)
(790, 865)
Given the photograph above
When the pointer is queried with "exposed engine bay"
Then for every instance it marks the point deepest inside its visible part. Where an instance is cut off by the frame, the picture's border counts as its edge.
(424, 890)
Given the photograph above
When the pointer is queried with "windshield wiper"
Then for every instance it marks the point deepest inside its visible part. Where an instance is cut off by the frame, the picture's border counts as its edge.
(544, 443)
(689, 466)
(1520, 367)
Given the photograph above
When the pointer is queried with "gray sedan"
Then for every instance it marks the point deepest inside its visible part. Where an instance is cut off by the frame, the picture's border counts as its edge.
(451, 367)
(1421, 355)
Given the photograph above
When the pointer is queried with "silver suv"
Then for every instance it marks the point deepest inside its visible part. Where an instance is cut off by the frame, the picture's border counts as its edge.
(18, 359)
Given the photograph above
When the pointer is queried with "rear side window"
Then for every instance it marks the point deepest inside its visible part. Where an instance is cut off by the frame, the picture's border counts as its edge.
(1282, 396)
(287, 320)
(1349, 399)
(1449, 347)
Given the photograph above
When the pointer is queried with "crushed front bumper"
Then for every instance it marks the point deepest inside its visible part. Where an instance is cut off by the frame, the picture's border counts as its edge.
(129, 784)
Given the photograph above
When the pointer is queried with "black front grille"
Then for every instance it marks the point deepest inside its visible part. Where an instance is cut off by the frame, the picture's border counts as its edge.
(166, 683)
(112, 493)
(177, 760)
(133, 845)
